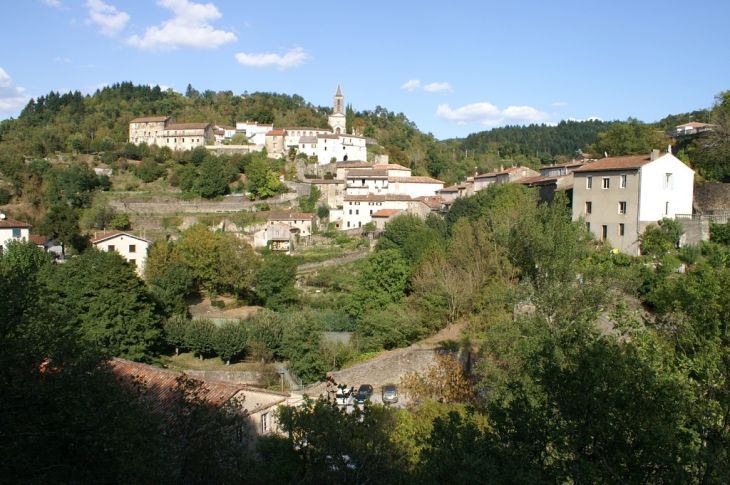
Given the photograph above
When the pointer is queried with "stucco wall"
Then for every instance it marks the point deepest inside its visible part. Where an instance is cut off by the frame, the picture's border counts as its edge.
(387, 369)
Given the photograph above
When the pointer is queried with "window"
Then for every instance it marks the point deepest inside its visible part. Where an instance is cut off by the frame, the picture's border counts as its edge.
(622, 207)
(589, 207)
(589, 182)
(132, 248)
(588, 226)
(265, 423)
(16, 232)
(621, 229)
(110, 248)
(357, 212)
(348, 223)
(133, 262)
(604, 232)
(668, 181)
(371, 212)
(606, 182)
(622, 181)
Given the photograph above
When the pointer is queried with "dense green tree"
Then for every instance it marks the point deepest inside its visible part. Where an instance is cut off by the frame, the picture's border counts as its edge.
(198, 249)
(198, 155)
(199, 336)
(213, 179)
(175, 329)
(98, 217)
(300, 344)
(712, 159)
(5, 196)
(262, 182)
(73, 185)
(382, 280)
(229, 340)
(172, 286)
(410, 235)
(630, 138)
(114, 307)
(149, 170)
(61, 223)
(120, 221)
(237, 265)
(266, 328)
(275, 281)
(662, 238)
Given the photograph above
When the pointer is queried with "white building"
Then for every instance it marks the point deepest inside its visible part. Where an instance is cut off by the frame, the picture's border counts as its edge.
(337, 120)
(256, 133)
(358, 209)
(10, 230)
(620, 196)
(130, 247)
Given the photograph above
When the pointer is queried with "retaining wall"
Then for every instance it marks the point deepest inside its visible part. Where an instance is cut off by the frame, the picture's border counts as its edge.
(163, 205)
(247, 378)
(387, 369)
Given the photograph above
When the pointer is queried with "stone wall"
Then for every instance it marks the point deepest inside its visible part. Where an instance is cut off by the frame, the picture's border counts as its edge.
(387, 369)
(247, 378)
(170, 205)
(711, 197)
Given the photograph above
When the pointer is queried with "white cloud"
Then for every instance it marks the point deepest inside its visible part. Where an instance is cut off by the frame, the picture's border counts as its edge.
(293, 58)
(54, 3)
(477, 112)
(190, 27)
(12, 97)
(63, 59)
(412, 85)
(436, 87)
(489, 115)
(560, 103)
(109, 20)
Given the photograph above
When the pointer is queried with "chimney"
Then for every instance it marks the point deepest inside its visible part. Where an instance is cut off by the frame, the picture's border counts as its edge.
(654, 154)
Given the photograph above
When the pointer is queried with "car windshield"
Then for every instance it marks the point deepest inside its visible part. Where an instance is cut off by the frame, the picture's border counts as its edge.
(389, 393)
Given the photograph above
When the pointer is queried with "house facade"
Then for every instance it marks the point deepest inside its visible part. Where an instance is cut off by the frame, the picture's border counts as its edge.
(255, 132)
(130, 247)
(149, 130)
(188, 136)
(305, 223)
(275, 143)
(618, 197)
(12, 230)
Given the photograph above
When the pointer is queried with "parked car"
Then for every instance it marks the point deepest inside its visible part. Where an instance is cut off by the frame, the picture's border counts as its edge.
(343, 396)
(364, 393)
(390, 394)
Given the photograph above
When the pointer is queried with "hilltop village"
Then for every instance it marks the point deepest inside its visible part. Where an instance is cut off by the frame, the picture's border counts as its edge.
(324, 295)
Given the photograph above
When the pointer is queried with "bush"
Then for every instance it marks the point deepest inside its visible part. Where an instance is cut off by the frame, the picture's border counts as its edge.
(229, 340)
(175, 330)
(4, 196)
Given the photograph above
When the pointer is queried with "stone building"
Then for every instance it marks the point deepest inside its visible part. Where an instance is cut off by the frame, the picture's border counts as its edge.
(149, 130)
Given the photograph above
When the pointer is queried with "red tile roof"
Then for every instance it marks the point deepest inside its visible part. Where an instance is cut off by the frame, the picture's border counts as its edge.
(618, 163)
(390, 166)
(275, 132)
(289, 216)
(38, 240)
(160, 385)
(12, 223)
(386, 212)
(433, 201)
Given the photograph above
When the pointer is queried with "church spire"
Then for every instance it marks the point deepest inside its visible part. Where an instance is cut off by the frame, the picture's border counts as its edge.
(339, 107)
(339, 90)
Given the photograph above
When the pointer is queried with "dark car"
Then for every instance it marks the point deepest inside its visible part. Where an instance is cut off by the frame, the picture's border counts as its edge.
(364, 393)
(390, 394)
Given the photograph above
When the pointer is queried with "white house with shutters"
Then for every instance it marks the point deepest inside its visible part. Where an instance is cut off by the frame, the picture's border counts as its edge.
(130, 247)
(10, 230)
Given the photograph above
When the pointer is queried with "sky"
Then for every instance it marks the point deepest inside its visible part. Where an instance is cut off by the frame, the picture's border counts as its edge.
(453, 68)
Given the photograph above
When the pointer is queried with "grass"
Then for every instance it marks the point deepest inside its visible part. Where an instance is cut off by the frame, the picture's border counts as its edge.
(188, 361)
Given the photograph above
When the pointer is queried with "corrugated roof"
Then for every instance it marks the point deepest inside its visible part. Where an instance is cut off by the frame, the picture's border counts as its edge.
(289, 216)
(618, 163)
(12, 223)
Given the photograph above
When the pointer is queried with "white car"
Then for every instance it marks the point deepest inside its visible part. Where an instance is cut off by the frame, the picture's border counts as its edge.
(343, 397)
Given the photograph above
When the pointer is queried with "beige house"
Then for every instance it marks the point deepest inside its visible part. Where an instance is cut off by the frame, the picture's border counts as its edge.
(10, 230)
(333, 191)
(306, 223)
(187, 136)
(130, 247)
(382, 217)
(275, 143)
(279, 236)
(149, 130)
(511, 174)
(158, 388)
(618, 197)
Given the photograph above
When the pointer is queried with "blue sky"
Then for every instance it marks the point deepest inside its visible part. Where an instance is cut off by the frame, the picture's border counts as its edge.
(453, 68)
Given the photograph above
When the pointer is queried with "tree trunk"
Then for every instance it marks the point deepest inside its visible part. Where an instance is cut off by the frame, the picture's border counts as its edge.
(201, 356)
(177, 351)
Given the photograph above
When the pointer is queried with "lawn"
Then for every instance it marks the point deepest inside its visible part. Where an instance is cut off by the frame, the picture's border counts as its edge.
(188, 361)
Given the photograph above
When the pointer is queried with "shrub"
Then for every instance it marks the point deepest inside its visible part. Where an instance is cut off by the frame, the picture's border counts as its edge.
(199, 336)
